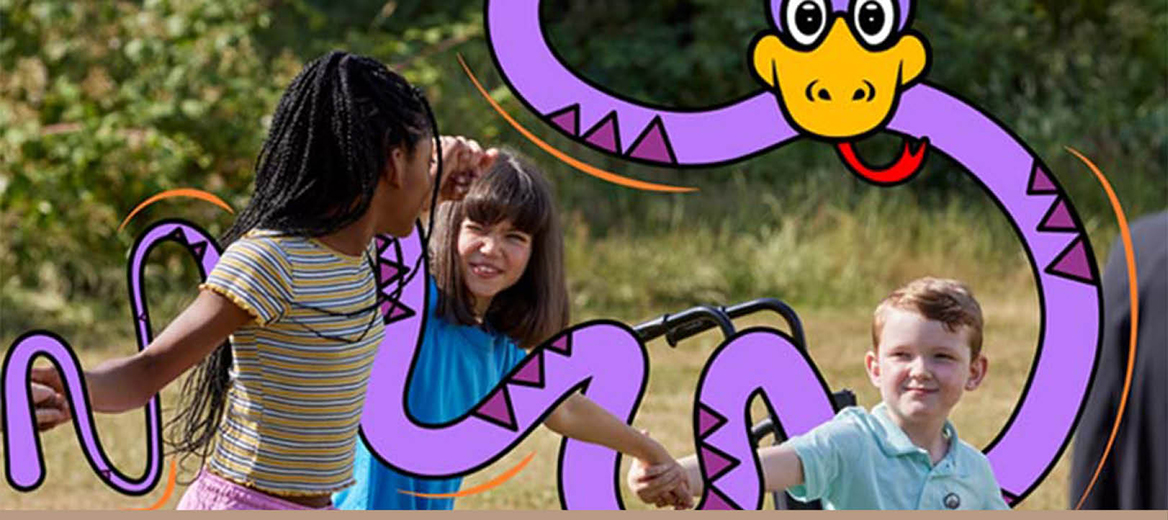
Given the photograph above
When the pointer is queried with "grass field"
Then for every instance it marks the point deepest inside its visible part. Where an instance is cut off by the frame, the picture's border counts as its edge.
(839, 337)
(831, 264)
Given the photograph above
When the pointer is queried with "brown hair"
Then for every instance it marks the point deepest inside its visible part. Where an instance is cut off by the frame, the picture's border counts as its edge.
(947, 301)
(536, 307)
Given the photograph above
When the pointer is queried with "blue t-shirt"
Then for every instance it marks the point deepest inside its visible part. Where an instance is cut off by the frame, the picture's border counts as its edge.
(457, 366)
(862, 460)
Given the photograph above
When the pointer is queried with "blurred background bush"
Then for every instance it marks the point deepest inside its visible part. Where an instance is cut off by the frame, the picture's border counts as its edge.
(103, 104)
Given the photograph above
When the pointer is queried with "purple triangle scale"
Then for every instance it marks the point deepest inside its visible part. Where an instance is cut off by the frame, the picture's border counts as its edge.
(531, 373)
(178, 234)
(1072, 263)
(198, 249)
(388, 271)
(1058, 218)
(716, 464)
(382, 243)
(653, 144)
(567, 119)
(562, 345)
(497, 410)
(142, 317)
(708, 421)
(606, 134)
(394, 313)
(718, 501)
(1040, 182)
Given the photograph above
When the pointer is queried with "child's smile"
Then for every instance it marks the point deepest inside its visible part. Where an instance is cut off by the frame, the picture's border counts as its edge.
(484, 270)
(493, 258)
(922, 368)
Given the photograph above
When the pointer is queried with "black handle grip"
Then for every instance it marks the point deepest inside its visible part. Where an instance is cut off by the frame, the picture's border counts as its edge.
(777, 306)
(676, 327)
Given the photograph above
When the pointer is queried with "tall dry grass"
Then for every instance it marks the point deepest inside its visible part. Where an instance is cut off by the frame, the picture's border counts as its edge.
(832, 262)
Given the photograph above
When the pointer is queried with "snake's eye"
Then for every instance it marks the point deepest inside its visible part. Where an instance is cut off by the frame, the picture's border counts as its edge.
(873, 21)
(805, 20)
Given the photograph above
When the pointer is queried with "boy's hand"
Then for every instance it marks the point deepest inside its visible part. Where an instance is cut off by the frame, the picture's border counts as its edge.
(463, 161)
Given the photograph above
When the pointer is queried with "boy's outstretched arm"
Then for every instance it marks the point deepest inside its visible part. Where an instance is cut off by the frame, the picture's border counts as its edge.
(781, 467)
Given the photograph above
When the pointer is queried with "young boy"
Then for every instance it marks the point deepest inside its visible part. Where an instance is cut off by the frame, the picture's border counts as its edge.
(904, 454)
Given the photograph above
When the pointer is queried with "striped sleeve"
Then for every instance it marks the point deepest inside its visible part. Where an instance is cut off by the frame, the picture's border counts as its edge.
(255, 275)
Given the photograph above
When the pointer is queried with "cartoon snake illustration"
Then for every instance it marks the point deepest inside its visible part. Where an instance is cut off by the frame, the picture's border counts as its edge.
(832, 70)
(612, 370)
(603, 359)
(23, 457)
(838, 71)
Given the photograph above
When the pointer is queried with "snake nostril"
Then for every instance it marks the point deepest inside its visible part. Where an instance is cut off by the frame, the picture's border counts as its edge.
(824, 94)
(858, 95)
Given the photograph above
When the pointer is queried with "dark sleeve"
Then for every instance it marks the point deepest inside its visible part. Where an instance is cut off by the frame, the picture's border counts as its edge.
(1136, 473)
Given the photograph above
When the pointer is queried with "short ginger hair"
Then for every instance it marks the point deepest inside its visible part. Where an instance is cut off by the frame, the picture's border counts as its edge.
(947, 301)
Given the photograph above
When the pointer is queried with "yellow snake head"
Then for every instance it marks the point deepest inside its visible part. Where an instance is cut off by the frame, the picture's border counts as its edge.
(838, 67)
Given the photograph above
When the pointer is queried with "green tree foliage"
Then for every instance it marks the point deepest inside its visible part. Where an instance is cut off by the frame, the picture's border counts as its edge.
(107, 103)
(1090, 74)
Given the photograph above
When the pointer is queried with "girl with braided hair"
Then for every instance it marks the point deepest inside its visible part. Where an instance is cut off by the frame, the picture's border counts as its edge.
(272, 413)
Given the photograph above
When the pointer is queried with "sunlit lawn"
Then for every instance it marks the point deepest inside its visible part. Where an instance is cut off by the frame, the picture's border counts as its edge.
(838, 336)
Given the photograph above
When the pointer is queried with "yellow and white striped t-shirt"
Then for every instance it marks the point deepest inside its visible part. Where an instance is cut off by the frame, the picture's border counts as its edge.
(295, 400)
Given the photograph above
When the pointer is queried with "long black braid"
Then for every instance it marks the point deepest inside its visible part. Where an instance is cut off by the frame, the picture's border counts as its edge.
(330, 138)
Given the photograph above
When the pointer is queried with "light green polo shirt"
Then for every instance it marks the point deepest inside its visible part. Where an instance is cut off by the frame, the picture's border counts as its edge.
(862, 460)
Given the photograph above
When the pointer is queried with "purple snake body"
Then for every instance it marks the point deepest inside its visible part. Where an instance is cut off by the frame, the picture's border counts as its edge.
(23, 458)
(604, 358)
(1015, 179)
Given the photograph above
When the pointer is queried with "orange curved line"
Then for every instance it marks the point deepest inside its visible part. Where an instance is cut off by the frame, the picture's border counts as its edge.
(181, 192)
(493, 483)
(166, 494)
(1133, 290)
(567, 159)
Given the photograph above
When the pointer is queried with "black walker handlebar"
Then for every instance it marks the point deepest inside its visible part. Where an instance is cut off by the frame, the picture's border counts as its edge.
(696, 320)
(687, 323)
(691, 322)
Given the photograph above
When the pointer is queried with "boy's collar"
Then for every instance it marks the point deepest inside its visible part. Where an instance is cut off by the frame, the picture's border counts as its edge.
(895, 442)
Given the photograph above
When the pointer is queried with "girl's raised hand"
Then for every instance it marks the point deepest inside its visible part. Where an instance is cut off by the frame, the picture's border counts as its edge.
(463, 161)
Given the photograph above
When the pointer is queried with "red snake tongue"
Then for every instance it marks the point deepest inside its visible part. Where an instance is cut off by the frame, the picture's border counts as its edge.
(906, 166)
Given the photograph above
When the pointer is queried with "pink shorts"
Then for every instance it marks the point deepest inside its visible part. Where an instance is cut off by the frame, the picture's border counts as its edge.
(212, 492)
